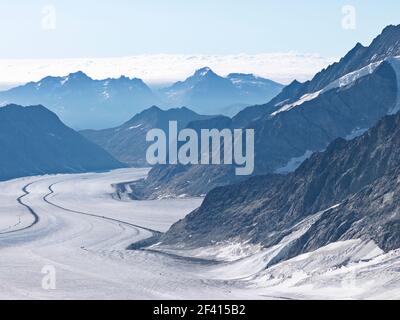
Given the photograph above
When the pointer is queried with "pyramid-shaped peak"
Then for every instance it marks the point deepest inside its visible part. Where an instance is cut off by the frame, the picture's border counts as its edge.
(206, 71)
(78, 75)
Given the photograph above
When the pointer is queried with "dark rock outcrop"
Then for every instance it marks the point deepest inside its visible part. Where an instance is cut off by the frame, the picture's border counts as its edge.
(281, 137)
(352, 186)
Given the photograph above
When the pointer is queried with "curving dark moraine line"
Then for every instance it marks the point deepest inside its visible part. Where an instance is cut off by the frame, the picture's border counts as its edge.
(36, 217)
(140, 245)
(153, 239)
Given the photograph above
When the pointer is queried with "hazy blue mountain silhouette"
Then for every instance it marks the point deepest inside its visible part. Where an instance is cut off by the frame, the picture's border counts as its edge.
(208, 93)
(127, 142)
(84, 103)
(33, 141)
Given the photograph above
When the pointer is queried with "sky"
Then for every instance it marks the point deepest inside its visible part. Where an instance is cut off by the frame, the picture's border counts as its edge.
(93, 29)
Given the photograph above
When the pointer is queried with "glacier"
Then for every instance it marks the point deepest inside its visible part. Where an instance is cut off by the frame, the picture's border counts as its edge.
(84, 233)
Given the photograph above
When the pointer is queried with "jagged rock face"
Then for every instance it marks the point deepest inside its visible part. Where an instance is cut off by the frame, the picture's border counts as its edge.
(387, 44)
(371, 214)
(34, 142)
(127, 143)
(343, 100)
(308, 127)
(167, 181)
(314, 124)
(351, 186)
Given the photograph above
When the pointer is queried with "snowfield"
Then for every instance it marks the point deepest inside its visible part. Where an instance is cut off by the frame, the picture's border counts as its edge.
(73, 224)
(345, 81)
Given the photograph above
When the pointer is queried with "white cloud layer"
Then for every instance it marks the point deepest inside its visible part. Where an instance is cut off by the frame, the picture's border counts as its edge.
(167, 68)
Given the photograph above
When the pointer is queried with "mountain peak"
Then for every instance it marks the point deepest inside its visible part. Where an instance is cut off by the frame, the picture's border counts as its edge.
(358, 46)
(384, 46)
(79, 75)
(42, 144)
(295, 83)
(153, 108)
(204, 72)
(391, 28)
(123, 77)
(388, 37)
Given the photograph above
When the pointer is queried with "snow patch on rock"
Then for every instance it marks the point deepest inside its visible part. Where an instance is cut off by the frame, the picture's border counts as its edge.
(345, 81)
(358, 132)
(294, 163)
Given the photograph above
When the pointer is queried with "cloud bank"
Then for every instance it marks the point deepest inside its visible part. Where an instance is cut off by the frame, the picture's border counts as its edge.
(157, 69)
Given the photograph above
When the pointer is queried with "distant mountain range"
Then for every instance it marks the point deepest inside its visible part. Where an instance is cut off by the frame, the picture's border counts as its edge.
(33, 141)
(84, 103)
(343, 100)
(127, 143)
(208, 93)
(347, 192)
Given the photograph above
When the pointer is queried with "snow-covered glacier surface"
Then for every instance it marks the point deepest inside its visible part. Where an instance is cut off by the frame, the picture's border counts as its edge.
(73, 224)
